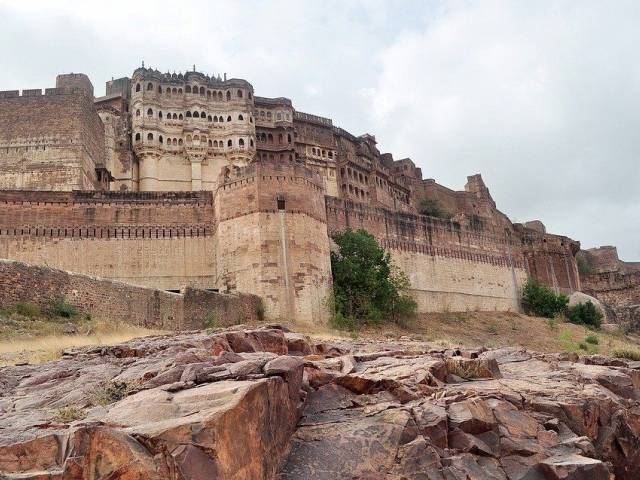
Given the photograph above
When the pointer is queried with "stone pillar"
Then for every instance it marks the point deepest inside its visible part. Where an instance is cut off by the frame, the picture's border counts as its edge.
(148, 173)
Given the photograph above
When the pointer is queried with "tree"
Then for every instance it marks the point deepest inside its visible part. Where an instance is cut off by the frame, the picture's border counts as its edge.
(367, 287)
(538, 299)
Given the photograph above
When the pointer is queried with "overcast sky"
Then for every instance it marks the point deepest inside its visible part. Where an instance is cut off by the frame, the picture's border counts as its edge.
(542, 98)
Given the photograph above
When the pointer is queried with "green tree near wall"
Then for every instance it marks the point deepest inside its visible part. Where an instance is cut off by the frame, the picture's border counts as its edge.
(432, 208)
(367, 287)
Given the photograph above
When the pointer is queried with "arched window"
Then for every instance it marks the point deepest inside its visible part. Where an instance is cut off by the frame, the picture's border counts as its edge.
(264, 137)
(150, 113)
(180, 117)
(208, 93)
(196, 115)
(188, 139)
(159, 114)
(175, 142)
(174, 90)
(203, 115)
(239, 93)
(188, 114)
(215, 143)
(270, 137)
(268, 115)
(249, 94)
(262, 113)
(150, 86)
(137, 87)
(250, 119)
(313, 151)
(289, 137)
(179, 90)
(215, 118)
(330, 154)
(228, 95)
(137, 112)
(279, 138)
(219, 95)
(220, 119)
(168, 91)
(201, 90)
(209, 118)
(210, 143)
(150, 136)
(251, 142)
(160, 139)
(187, 89)
(279, 116)
(175, 116)
(241, 142)
(159, 89)
(137, 137)
(196, 138)
(180, 142)
(230, 143)
(229, 118)
(240, 117)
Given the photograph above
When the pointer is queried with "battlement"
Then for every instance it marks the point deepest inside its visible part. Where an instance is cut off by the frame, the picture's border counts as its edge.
(37, 92)
(307, 117)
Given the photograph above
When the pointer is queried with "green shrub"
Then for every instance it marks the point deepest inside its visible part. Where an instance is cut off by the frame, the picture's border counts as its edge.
(27, 309)
(367, 287)
(60, 308)
(592, 339)
(629, 354)
(582, 346)
(585, 314)
(542, 301)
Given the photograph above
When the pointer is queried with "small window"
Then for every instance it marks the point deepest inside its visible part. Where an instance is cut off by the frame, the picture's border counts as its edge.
(196, 115)
(241, 142)
(180, 91)
(150, 113)
(281, 203)
(150, 86)
(209, 118)
(160, 139)
(251, 142)
(150, 136)
(202, 91)
(137, 137)
(180, 142)
(159, 114)
(203, 115)
(180, 117)
(239, 93)
(159, 89)
(188, 114)
(240, 117)
(137, 87)
(187, 89)
(230, 143)
(229, 118)
(228, 95)
(138, 113)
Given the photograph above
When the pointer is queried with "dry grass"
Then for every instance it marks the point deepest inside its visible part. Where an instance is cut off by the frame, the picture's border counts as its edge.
(41, 346)
(491, 329)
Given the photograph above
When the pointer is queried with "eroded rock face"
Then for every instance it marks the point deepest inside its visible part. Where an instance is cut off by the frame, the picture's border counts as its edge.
(267, 404)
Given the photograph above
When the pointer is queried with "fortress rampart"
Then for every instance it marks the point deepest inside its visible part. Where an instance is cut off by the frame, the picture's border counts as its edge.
(173, 180)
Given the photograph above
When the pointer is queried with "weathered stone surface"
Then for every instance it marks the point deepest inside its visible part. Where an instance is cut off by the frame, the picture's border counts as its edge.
(247, 404)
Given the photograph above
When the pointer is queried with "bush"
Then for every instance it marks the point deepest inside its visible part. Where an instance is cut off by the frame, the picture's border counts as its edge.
(60, 308)
(113, 391)
(542, 301)
(585, 314)
(592, 339)
(367, 287)
(583, 267)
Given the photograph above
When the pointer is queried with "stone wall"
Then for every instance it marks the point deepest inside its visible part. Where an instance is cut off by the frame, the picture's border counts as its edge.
(272, 240)
(163, 240)
(50, 142)
(451, 268)
(116, 301)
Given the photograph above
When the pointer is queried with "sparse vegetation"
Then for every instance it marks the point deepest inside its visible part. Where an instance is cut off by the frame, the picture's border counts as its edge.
(583, 266)
(585, 314)
(27, 309)
(432, 208)
(367, 287)
(211, 321)
(492, 328)
(69, 414)
(542, 301)
(464, 369)
(113, 391)
(628, 353)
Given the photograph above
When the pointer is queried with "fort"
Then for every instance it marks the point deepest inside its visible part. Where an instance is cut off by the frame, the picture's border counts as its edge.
(190, 180)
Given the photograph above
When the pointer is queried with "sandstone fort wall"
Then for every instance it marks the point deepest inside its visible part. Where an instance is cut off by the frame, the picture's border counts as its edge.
(50, 142)
(450, 267)
(272, 240)
(164, 240)
(115, 301)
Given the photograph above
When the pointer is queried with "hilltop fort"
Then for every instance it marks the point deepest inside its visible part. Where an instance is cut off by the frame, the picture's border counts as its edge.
(190, 180)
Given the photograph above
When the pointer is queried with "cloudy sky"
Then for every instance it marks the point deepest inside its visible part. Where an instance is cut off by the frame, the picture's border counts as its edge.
(542, 98)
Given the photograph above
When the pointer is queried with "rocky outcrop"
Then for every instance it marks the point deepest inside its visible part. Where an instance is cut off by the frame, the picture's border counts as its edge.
(266, 403)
